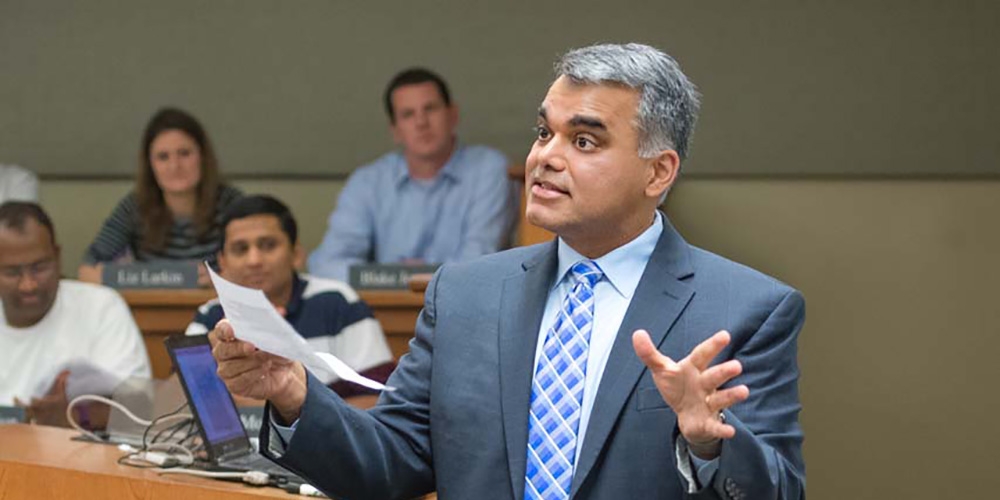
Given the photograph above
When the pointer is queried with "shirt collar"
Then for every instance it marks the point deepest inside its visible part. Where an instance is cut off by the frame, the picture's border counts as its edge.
(623, 266)
(448, 171)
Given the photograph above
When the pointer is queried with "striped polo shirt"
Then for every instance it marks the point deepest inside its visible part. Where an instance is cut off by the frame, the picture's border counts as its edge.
(332, 318)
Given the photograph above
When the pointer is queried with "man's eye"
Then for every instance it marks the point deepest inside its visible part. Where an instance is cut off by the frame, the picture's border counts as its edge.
(184, 153)
(238, 249)
(541, 133)
(585, 143)
(162, 156)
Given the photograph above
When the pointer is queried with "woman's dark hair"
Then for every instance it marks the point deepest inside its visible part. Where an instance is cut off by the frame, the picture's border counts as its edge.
(155, 217)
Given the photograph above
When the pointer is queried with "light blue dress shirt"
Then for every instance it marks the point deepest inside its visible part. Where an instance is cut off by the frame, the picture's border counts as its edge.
(383, 215)
(623, 268)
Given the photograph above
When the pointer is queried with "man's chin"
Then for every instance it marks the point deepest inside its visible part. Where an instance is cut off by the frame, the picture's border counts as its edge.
(32, 312)
(542, 217)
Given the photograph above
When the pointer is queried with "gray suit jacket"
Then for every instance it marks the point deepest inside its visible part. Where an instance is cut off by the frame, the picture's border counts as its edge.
(458, 422)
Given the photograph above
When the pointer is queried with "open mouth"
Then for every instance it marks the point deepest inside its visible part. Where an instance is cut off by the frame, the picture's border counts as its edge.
(545, 189)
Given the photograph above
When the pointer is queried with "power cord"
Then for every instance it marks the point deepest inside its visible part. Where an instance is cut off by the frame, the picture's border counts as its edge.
(161, 456)
(151, 455)
(255, 478)
(117, 405)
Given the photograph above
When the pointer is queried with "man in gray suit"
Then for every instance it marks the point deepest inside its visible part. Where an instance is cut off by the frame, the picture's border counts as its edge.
(615, 362)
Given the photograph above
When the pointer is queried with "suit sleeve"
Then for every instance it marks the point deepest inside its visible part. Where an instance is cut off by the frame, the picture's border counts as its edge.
(382, 453)
(764, 459)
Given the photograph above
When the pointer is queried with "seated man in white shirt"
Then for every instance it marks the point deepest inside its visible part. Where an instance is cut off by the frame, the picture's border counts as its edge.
(48, 324)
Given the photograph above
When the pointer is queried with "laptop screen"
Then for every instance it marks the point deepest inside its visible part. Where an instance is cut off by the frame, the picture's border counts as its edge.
(207, 394)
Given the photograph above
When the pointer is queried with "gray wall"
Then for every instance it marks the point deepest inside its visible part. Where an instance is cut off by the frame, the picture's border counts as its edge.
(822, 123)
(791, 87)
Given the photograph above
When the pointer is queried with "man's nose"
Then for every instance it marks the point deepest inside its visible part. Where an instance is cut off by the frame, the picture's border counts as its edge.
(551, 155)
(254, 256)
(27, 282)
(422, 119)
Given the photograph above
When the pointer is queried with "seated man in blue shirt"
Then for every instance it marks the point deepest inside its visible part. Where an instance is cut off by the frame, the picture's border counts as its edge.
(260, 250)
(432, 201)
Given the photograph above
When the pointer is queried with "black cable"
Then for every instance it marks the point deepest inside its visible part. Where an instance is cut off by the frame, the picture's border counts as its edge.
(173, 429)
(145, 433)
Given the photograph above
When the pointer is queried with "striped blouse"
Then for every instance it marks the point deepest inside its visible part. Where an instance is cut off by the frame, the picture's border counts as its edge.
(121, 235)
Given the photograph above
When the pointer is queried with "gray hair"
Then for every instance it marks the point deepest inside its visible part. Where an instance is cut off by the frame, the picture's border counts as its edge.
(668, 101)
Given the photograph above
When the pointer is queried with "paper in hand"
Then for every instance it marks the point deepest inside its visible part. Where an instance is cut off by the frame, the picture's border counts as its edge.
(84, 378)
(255, 320)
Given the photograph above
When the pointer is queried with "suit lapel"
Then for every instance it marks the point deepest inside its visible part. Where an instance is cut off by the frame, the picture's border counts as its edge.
(521, 309)
(658, 301)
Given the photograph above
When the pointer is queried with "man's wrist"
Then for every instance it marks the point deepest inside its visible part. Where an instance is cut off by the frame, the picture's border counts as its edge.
(288, 404)
(709, 450)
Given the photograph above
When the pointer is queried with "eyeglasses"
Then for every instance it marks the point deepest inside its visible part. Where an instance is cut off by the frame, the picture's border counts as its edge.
(37, 270)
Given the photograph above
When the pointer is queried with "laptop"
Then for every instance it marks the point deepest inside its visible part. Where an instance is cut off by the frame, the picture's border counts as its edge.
(221, 429)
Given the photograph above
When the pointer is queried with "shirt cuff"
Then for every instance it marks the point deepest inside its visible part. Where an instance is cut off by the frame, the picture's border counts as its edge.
(280, 436)
(695, 471)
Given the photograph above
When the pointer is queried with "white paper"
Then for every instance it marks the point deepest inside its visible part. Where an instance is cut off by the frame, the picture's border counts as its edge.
(255, 320)
(84, 378)
(87, 378)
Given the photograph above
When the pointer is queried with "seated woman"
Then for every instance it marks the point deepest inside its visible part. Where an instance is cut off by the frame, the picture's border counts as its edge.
(174, 211)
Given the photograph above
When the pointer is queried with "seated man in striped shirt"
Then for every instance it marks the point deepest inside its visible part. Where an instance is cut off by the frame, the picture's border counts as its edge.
(260, 250)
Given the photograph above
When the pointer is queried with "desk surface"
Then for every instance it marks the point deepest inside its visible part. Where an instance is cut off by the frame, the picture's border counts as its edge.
(42, 462)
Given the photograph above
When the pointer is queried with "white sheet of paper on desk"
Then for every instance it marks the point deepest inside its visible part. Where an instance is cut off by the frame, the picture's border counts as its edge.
(84, 378)
(255, 320)
(88, 378)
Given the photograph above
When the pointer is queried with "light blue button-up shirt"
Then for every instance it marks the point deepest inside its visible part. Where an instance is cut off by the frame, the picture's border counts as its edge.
(623, 267)
(385, 216)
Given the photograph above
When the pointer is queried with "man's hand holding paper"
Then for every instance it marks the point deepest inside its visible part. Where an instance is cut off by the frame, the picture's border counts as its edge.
(261, 356)
(253, 373)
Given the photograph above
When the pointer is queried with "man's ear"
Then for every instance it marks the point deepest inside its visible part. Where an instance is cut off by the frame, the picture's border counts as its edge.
(299, 257)
(453, 116)
(220, 259)
(396, 139)
(662, 173)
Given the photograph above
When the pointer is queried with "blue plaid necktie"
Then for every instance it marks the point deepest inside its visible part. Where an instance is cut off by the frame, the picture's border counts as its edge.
(557, 390)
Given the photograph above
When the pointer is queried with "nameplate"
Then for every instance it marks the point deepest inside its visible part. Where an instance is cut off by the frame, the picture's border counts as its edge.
(11, 415)
(151, 275)
(386, 276)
